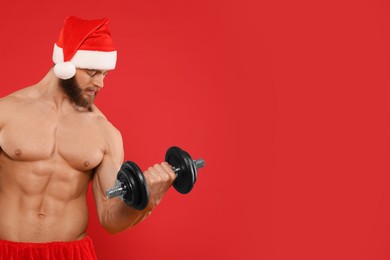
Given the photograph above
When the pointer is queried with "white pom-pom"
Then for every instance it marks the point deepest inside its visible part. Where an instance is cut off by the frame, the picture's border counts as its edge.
(64, 70)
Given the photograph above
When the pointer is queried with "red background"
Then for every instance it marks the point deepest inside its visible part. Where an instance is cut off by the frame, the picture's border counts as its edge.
(287, 101)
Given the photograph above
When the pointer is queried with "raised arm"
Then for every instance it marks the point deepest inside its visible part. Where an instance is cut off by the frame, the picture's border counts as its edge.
(114, 215)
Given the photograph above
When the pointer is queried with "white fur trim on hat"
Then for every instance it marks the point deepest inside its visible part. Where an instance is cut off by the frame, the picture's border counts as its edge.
(84, 59)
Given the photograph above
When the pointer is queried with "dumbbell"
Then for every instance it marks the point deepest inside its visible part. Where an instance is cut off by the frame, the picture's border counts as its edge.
(130, 184)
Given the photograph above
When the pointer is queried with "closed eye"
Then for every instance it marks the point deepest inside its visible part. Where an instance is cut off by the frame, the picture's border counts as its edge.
(91, 73)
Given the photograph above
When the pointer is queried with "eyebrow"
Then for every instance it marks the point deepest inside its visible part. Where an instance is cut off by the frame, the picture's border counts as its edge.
(98, 71)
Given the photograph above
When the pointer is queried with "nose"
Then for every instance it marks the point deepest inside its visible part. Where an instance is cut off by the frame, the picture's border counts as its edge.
(98, 81)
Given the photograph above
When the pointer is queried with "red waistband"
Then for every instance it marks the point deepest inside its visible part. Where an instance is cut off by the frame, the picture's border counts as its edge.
(72, 250)
(54, 243)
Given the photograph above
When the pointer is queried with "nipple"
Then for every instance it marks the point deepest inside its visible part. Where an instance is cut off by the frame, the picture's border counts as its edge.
(18, 152)
(86, 163)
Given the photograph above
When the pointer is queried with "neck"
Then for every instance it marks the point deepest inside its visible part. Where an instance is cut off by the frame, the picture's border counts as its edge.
(50, 89)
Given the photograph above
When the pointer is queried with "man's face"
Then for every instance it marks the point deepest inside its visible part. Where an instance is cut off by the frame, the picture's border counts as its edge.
(84, 86)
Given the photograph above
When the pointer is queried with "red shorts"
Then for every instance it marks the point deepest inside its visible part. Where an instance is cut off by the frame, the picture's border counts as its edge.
(73, 250)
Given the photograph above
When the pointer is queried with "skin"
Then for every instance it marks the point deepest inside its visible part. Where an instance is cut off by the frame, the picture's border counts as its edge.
(50, 150)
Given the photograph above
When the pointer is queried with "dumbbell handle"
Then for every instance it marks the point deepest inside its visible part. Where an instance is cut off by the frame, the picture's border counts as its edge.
(119, 189)
(198, 164)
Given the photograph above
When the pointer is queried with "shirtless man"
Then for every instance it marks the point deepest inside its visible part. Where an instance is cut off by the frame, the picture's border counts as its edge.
(53, 142)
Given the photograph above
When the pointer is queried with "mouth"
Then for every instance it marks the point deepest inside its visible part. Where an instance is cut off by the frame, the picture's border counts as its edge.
(91, 91)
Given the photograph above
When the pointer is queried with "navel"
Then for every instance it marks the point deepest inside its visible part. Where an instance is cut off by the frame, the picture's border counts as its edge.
(41, 215)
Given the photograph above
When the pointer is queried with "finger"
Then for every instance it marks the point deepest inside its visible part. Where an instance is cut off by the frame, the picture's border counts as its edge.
(168, 169)
(152, 173)
(163, 172)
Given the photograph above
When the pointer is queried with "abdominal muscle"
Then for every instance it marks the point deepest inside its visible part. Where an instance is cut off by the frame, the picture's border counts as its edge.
(42, 201)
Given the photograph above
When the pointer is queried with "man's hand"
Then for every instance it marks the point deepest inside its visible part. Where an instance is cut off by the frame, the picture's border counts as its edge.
(159, 179)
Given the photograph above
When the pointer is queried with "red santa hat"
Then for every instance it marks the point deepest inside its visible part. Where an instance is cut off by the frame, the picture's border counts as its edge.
(85, 44)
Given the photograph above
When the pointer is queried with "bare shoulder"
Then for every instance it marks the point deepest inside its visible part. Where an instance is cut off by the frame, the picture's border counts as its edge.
(111, 134)
(9, 103)
(18, 96)
(10, 99)
(8, 107)
(24, 93)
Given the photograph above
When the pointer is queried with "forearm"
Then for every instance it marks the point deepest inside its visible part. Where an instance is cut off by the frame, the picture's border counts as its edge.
(118, 216)
(114, 215)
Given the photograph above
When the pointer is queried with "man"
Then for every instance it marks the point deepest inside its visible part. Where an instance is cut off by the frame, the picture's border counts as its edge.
(53, 142)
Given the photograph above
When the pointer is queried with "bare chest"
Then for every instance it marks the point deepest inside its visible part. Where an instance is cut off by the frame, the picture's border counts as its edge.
(37, 136)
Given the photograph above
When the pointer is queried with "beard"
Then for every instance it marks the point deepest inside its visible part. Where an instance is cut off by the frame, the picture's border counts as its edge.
(74, 92)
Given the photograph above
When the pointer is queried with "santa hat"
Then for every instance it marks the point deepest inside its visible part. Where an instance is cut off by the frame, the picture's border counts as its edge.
(85, 44)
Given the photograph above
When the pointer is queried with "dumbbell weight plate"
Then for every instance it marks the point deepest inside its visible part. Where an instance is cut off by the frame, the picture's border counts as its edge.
(142, 190)
(186, 178)
(138, 195)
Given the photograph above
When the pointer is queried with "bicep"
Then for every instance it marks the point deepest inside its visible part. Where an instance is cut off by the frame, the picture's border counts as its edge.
(105, 174)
